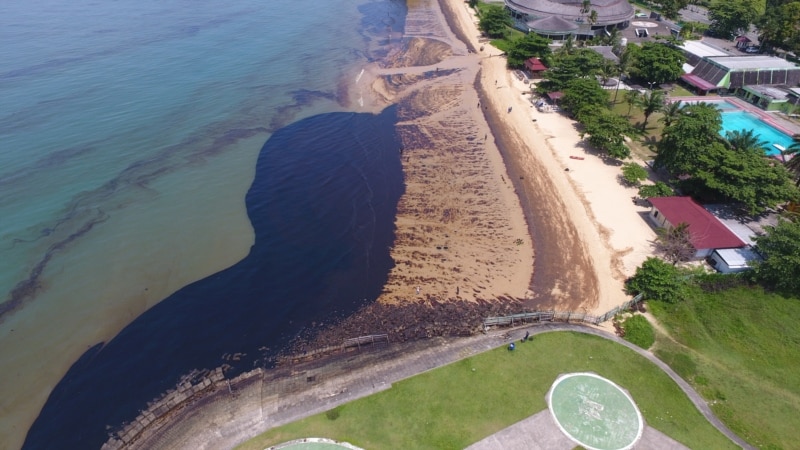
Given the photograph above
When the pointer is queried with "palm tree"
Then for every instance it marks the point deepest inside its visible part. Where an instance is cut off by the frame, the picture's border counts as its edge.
(607, 70)
(568, 45)
(592, 17)
(794, 167)
(672, 111)
(585, 5)
(623, 68)
(633, 98)
(650, 103)
(794, 149)
(745, 141)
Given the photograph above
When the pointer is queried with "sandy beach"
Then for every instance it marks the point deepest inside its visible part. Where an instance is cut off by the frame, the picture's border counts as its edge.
(596, 236)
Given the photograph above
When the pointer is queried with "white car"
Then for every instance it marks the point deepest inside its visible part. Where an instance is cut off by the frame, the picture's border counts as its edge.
(751, 50)
(642, 15)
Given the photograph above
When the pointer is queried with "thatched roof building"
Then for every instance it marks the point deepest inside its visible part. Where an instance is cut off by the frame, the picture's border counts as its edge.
(555, 18)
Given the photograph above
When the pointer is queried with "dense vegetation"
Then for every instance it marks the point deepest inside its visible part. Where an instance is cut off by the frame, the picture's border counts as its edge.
(780, 246)
(658, 280)
(655, 63)
(710, 168)
(494, 20)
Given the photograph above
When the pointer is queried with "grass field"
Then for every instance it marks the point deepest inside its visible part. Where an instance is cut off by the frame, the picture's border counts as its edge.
(741, 350)
(457, 405)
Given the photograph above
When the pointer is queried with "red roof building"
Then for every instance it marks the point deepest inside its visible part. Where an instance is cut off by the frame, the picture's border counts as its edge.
(535, 66)
(705, 231)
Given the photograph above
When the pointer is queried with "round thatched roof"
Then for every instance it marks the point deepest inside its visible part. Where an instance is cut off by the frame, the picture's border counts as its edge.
(552, 24)
(609, 12)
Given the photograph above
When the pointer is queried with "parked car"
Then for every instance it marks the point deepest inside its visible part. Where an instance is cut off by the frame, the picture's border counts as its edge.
(751, 50)
(642, 15)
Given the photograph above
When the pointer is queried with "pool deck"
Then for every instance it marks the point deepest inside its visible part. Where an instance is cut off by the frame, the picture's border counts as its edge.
(770, 118)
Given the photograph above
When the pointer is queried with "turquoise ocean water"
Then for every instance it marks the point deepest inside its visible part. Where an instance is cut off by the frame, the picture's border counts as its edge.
(129, 135)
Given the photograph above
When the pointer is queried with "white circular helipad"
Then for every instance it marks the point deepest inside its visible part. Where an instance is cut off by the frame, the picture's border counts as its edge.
(314, 444)
(594, 412)
(640, 24)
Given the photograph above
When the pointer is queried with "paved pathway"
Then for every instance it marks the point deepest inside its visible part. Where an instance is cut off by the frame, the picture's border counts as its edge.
(540, 432)
(223, 420)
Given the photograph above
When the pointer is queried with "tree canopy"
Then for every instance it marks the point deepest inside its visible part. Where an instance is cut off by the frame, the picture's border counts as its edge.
(780, 247)
(780, 26)
(520, 49)
(729, 17)
(582, 92)
(707, 167)
(656, 63)
(670, 8)
(565, 66)
(659, 189)
(684, 140)
(606, 129)
(657, 280)
(494, 21)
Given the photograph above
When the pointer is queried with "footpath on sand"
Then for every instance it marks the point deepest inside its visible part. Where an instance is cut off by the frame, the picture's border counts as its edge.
(226, 419)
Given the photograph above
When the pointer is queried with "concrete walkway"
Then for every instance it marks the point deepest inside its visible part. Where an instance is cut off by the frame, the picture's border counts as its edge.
(225, 419)
(540, 432)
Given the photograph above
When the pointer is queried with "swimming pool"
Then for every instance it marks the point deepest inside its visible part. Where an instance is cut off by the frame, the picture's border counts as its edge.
(742, 120)
(733, 118)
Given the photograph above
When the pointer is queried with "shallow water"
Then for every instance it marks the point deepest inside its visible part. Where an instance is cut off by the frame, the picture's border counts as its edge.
(130, 135)
(322, 205)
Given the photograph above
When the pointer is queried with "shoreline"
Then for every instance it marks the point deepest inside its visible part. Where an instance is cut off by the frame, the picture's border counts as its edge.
(583, 269)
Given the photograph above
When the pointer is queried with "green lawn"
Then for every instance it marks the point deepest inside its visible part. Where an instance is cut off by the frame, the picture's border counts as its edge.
(741, 350)
(457, 405)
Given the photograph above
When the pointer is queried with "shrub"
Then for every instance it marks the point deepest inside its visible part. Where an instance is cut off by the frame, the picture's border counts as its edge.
(655, 190)
(334, 413)
(658, 280)
(638, 331)
(633, 174)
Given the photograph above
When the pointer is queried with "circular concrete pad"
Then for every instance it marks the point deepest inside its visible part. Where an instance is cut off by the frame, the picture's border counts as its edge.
(314, 444)
(594, 412)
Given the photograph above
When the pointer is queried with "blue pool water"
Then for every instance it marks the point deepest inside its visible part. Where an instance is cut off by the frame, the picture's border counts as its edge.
(741, 120)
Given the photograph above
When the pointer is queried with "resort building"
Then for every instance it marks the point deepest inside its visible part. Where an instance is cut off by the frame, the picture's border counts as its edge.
(706, 233)
(732, 260)
(727, 73)
(558, 19)
(695, 51)
(769, 98)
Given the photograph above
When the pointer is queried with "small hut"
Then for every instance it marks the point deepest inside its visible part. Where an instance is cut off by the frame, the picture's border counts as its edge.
(534, 67)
